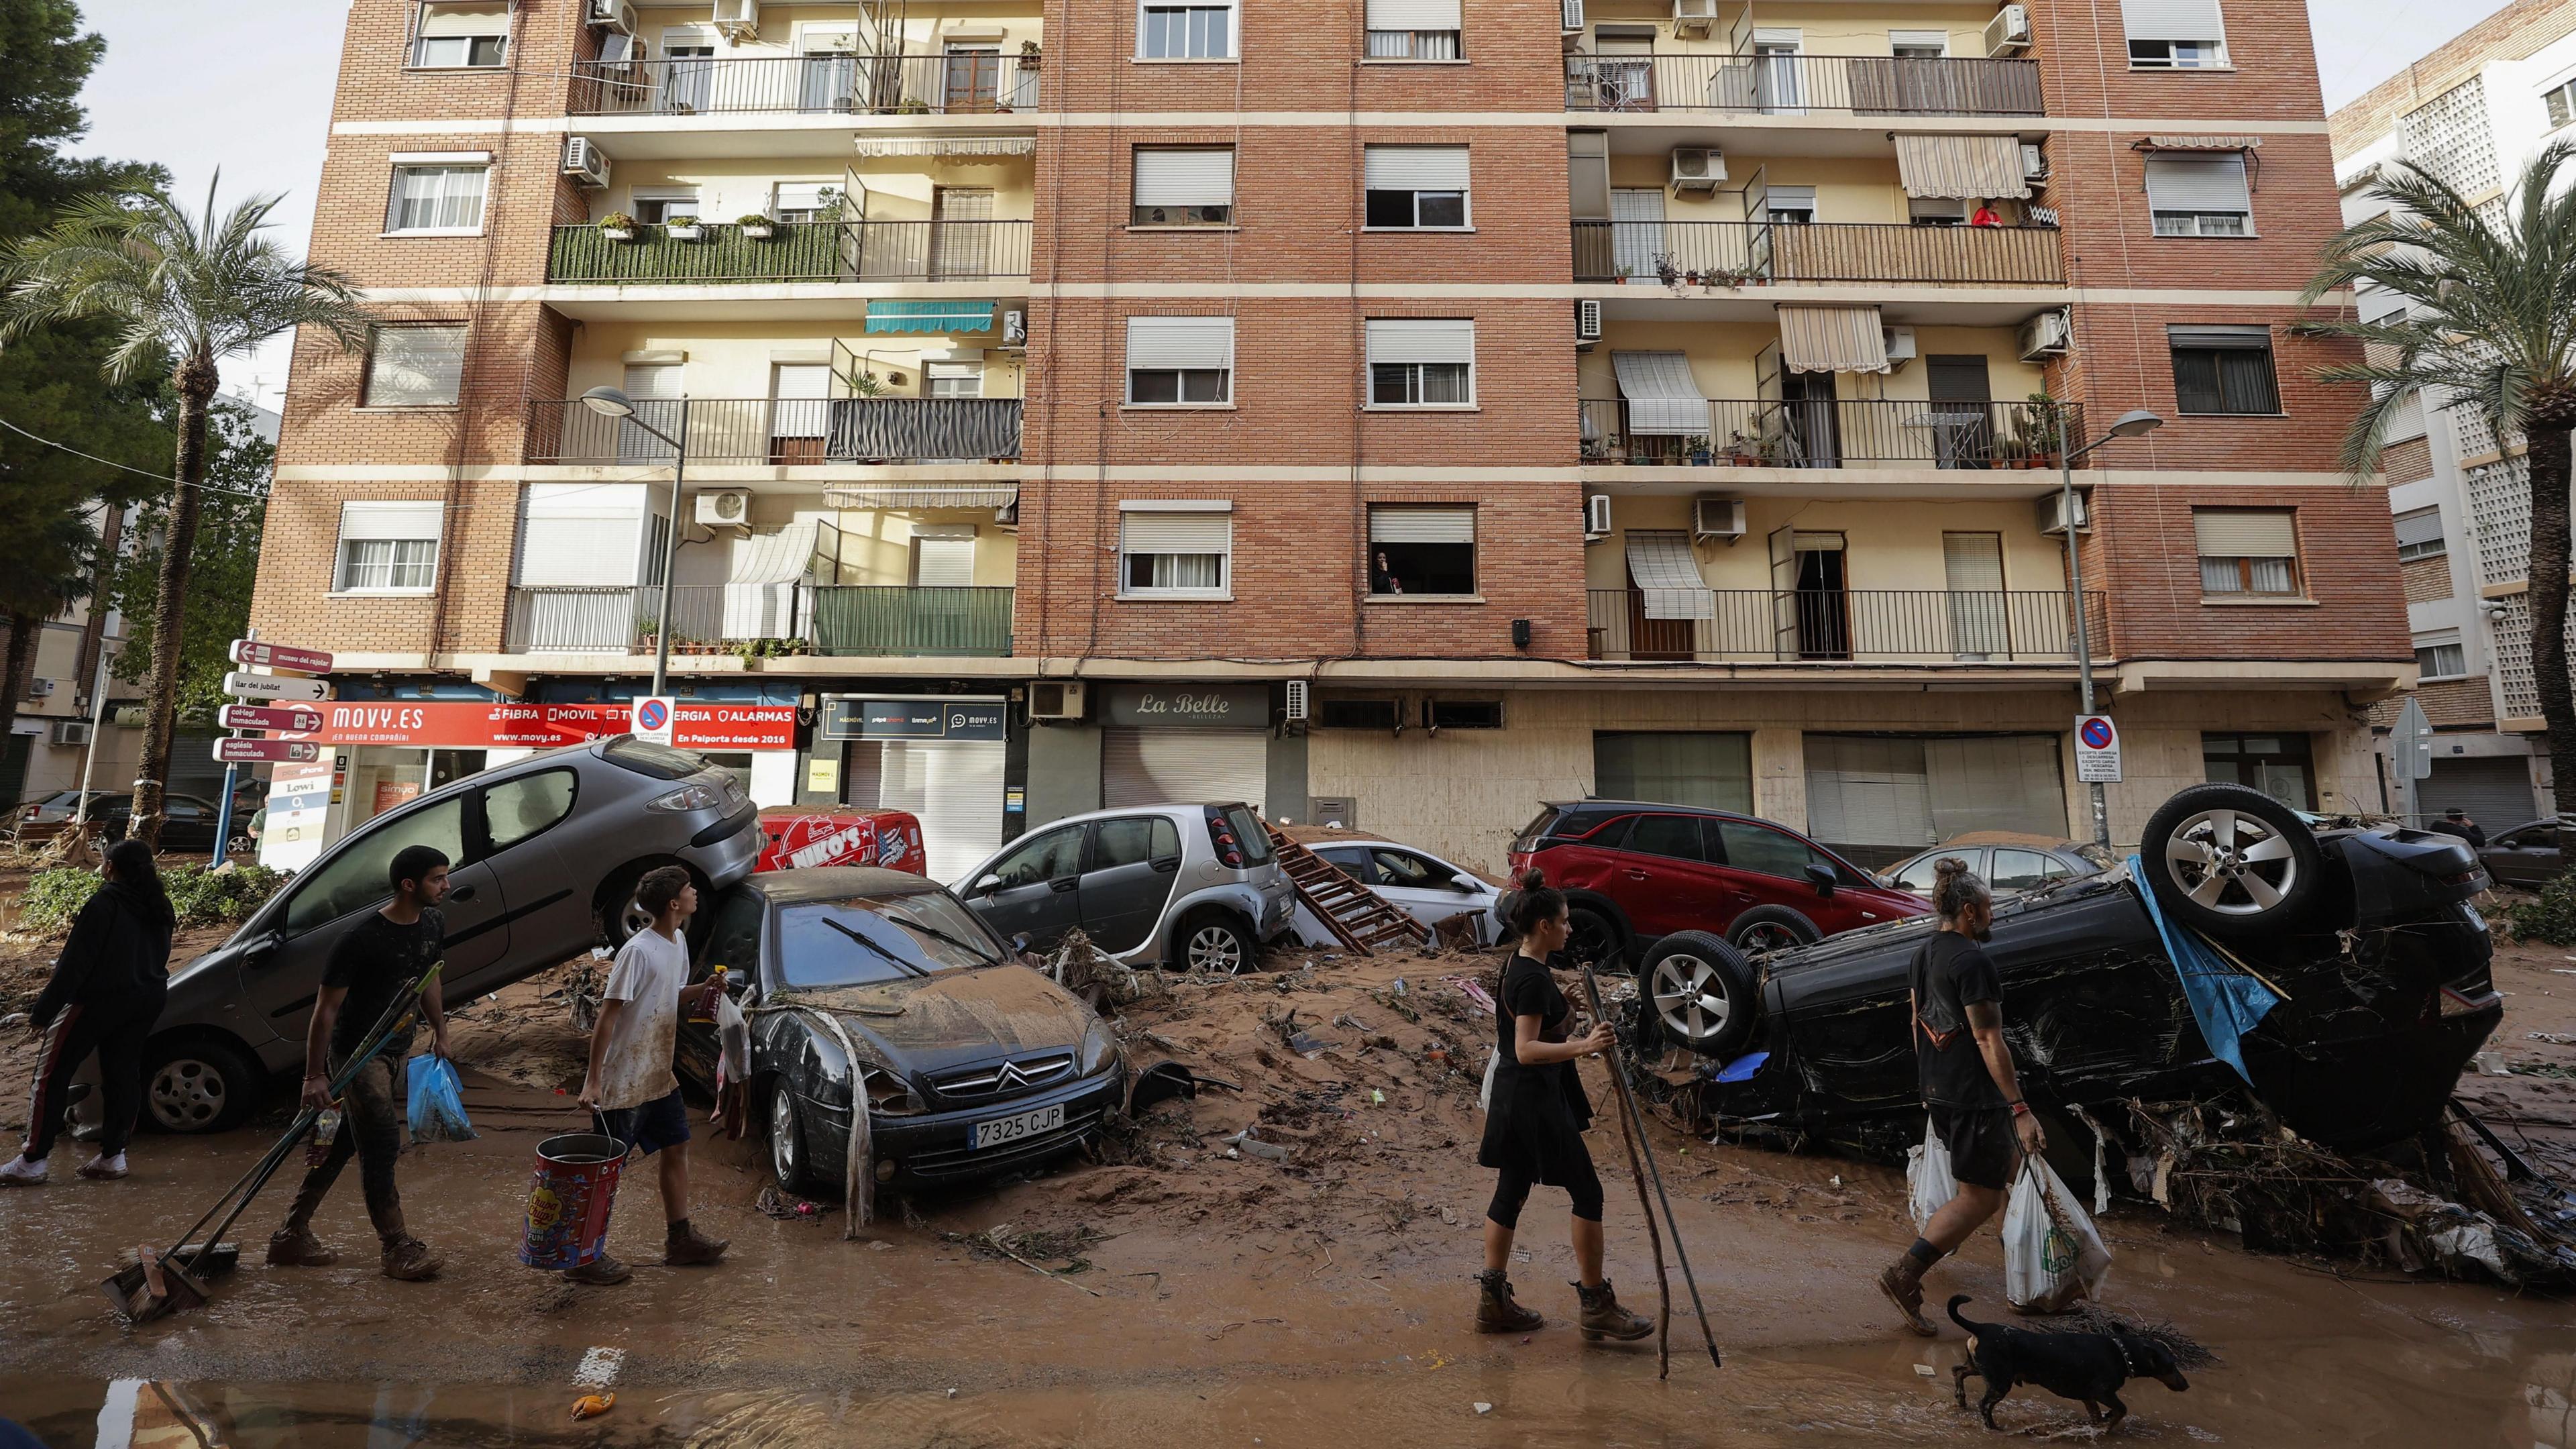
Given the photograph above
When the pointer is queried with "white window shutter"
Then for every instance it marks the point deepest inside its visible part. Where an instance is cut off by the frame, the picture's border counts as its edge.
(2198, 183)
(416, 366)
(1415, 168)
(372, 519)
(1175, 532)
(1389, 523)
(1421, 339)
(944, 563)
(1413, 15)
(575, 535)
(2172, 20)
(2245, 532)
(1195, 176)
(1157, 343)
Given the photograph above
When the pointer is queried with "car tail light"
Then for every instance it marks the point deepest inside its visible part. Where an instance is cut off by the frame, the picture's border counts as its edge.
(1221, 835)
(692, 796)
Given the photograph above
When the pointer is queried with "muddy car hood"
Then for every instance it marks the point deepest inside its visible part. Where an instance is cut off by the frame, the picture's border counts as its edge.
(955, 1016)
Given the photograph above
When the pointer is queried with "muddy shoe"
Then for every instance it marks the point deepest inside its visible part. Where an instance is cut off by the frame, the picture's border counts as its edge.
(1497, 1311)
(298, 1248)
(1604, 1318)
(104, 1168)
(409, 1260)
(19, 1172)
(686, 1247)
(599, 1272)
(1902, 1282)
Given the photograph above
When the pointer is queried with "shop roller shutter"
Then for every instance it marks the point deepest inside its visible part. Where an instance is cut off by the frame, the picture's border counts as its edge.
(1187, 767)
(954, 788)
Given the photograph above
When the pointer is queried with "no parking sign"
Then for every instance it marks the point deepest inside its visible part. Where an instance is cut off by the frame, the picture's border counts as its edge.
(2097, 749)
(652, 719)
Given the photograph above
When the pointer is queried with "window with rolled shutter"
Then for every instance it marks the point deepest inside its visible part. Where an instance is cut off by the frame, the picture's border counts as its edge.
(1422, 549)
(1174, 553)
(387, 547)
(1413, 29)
(1421, 362)
(2174, 34)
(440, 197)
(582, 535)
(2419, 534)
(2199, 195)
(2224, 370)
(1415, 187)
(461, 33)
(415, 366)
(1180, 360)
(943, 562)
(2247, 550)
(1184, 186)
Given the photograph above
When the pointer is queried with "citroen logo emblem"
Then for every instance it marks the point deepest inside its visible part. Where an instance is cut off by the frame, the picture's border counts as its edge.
(1010, 1076)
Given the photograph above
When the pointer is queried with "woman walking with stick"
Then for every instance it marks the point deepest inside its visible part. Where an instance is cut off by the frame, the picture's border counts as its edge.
(1534, 1124)
(106, 993)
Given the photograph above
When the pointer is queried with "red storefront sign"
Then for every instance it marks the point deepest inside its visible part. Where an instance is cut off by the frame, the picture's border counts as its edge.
(474, 725)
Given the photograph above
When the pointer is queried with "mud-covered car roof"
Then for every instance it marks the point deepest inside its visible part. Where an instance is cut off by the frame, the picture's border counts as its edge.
(832, 882)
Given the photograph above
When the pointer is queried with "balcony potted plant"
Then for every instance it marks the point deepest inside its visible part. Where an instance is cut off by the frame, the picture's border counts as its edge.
(684, 229)
(1739, 451)
(1697, 446)
(2046, 444)
(1028, 55)
(756, 226)
(617, 226)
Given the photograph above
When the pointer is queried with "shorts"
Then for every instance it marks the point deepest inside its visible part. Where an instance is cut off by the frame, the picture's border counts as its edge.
(647, 1129)
(1983, 1148)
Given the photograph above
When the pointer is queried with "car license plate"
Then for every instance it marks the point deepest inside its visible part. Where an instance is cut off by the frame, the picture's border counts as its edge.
(1004, 1130)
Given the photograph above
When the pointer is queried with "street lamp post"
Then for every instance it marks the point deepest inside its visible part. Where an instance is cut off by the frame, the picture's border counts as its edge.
(2134, 423)
(611, 402)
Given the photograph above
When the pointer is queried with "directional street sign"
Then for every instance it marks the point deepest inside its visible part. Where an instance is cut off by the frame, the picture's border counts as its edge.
(256, 717)
(283, 687)
(280, 656)
(239, 751)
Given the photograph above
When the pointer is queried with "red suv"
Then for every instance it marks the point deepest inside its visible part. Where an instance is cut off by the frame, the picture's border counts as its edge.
(1634, 873)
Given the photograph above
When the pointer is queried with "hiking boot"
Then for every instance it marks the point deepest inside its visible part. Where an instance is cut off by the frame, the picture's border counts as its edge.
(1604, 1318)
(1902, 1282)
(1496, 1311)
(409, 1260)
(599, 1272)
(19, 1172)
(104, 1168)
(294, 1247)
(685, 1247)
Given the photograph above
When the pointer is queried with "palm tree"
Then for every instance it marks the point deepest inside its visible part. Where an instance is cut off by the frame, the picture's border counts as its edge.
(184, 293)
(2490, 324)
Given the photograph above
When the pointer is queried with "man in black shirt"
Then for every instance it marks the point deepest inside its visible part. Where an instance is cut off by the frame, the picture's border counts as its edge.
(1969, 1085)
(2456, 821)
(370, 967)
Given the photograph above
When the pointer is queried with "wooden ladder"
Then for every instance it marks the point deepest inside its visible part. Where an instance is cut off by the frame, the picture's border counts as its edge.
(1358, 917)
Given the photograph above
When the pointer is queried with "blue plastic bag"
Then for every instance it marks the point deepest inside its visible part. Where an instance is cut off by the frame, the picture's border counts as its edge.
(437, 1102)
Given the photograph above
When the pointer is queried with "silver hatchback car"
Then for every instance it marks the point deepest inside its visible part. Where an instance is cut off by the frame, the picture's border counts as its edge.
(545, 854)
(1196, 886)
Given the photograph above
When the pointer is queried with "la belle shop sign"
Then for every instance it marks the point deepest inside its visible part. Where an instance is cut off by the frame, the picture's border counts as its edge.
(1231, 706)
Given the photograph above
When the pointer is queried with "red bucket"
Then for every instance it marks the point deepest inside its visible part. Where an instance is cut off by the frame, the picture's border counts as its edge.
(575, 1185)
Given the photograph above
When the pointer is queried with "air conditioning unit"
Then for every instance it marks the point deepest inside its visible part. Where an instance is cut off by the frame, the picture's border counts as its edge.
(616, 15)
(2034, 162)
(1056, 699)
(40, 689)
(725, 508)
(2052, 514)
(1900, 345)
(1698, 168)
(738, 20)
(1015, 328)
(1596, 516)
(584, 162)
(1694, 17)
(71, 732)
(2046, 335)
(1717, 518)
(1297, 700)
(1587, 321)
(2009, 32)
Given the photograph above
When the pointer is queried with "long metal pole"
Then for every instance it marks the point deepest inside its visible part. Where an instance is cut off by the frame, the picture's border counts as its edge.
(670, 549)
(2075, 579)
(97, 721)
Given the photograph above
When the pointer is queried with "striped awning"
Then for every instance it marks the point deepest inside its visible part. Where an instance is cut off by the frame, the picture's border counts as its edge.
(947, 145)
(1666, 572)
(1832, 339)
(1961, 168)
(901, 316)
(1663, 398)
(2197, 143)
(922, 495)
(778, 557)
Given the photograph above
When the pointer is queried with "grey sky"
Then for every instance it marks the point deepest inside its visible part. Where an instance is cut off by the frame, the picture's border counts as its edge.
(189, 84)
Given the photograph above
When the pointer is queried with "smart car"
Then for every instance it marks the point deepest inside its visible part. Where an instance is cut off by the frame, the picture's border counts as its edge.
(1194, 886)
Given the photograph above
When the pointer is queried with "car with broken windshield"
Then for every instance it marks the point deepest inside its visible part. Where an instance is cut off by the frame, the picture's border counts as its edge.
(969, 1063)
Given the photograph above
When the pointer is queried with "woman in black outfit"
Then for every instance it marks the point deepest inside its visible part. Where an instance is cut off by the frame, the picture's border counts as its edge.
(1534, 1124)
(105, 995)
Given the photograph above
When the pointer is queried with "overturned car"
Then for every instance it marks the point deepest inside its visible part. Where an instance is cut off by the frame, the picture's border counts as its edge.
(2365, 936)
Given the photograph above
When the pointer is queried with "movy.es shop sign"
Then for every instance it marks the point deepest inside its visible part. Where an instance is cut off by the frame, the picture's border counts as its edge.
(913, 719)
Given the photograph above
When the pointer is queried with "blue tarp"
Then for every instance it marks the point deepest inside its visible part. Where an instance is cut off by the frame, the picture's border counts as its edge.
(901, 316)
(2225, 1001)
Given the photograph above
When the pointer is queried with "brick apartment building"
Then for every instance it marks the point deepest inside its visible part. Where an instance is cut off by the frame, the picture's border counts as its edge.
(1395, 411)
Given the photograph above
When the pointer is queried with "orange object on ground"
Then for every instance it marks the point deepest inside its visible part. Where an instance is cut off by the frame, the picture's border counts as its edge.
(591, 1406)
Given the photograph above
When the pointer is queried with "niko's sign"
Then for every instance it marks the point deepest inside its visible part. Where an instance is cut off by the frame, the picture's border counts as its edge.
(1191, 706)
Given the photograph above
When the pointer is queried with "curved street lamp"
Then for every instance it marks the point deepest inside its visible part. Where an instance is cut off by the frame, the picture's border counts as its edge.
(611, 402)
(2135, 423)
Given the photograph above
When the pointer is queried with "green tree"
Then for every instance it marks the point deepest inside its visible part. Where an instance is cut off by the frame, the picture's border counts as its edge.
(2490, 324)
(226, 563)
(183, 293)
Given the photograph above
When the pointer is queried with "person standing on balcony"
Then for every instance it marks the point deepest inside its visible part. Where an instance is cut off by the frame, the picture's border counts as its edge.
(1534, 1123)
(1985, 215)
(1382, 579)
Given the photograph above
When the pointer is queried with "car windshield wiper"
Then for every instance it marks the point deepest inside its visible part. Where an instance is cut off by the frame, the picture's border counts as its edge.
(898, 962)
(936, 934)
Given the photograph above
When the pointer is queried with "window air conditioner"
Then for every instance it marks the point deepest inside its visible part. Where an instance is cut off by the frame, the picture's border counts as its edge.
(40, 689)
(1694, 17)
(1056, 699)
(738, 20)
(584, 162)
(2034, 162)
(2045, 335)
(1900, 345)
(2009, 32)
(1596, 516)
(1015, 328)
(1717, 518)
(725, 508)
(2051, 508)
(1296, 699)
(1587, 321)
(71, 732)
(1698, 168)
(617, 15)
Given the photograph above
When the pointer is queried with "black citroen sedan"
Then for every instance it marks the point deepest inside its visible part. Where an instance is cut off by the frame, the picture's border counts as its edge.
(974, 1063)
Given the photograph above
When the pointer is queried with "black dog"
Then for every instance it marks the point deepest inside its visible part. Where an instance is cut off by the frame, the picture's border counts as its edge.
(2086, 1367)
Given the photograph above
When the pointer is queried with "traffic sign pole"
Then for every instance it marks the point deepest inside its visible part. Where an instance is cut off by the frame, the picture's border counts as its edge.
(254, 653)
(232, 769)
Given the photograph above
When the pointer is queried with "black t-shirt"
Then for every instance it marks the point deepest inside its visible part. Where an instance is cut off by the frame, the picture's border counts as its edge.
(1529, 989)
(376, 960)
(1949, 974)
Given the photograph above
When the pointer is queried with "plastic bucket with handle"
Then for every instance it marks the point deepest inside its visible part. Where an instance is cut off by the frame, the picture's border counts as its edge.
(568, 1203)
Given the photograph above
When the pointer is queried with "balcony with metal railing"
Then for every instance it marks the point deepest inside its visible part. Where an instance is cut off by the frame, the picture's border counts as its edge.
(764, 619)
(955, 83)
(1914, 626)
(782, 431)
(793, 251)
(1758, 253)
(1823, 433)
(1796, 85)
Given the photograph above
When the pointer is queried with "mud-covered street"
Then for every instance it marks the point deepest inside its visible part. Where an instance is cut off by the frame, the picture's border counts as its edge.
(1173, 1293)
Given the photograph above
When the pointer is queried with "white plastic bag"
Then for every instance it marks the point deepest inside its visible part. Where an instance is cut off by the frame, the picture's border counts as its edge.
(1493, 1064)
(1928, 1183)
(2053, 1259)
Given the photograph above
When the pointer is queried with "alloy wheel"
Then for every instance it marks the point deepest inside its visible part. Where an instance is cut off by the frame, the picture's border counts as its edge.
(2231, 862)
(187, 1094)
(1591, 940)
(782, 1135)
(1684, 1001)
(1767, 936)
(1216, 949)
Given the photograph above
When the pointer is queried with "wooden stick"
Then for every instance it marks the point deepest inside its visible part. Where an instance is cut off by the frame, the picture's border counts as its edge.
(1654, 1237)
(2239, 963)
(1646, 1151)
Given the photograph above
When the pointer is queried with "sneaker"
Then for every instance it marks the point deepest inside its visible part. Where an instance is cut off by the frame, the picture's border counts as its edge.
(19, 1172)
(689, 1248)
(298, 1248)
(409, 1260)
(599, 1272)
(104, 1168)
